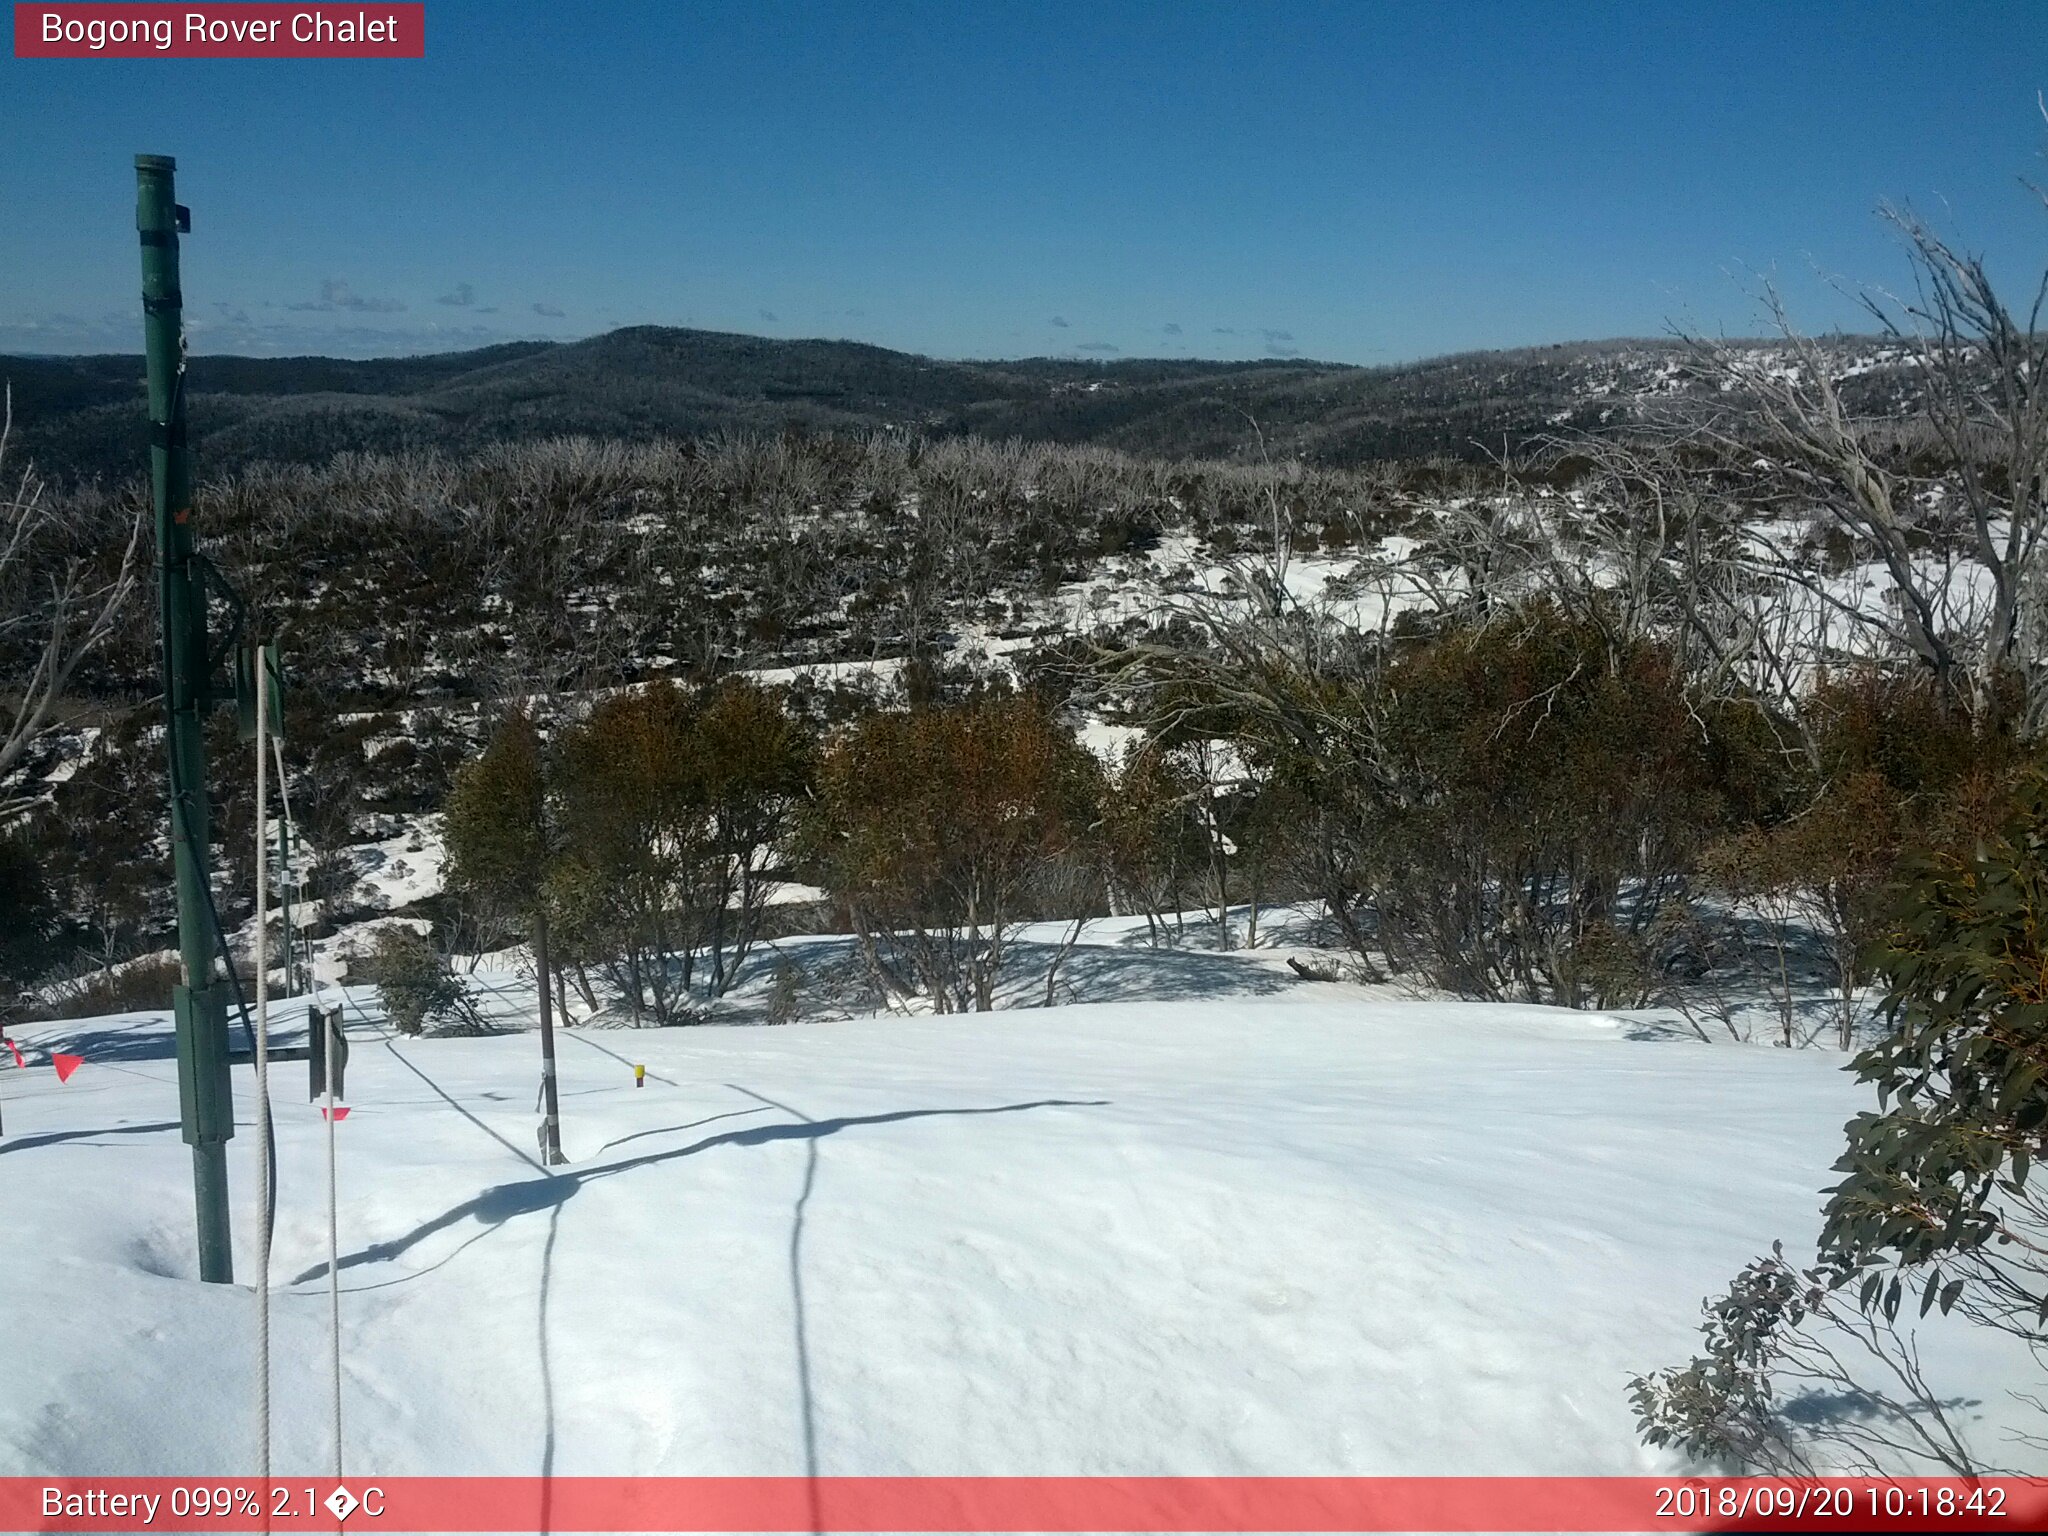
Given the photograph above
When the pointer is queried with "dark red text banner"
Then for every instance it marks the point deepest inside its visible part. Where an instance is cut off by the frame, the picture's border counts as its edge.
(103, 31)
(1016, 1504)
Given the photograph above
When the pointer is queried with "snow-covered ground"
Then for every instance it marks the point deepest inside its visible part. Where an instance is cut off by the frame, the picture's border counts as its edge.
(1303, 1229)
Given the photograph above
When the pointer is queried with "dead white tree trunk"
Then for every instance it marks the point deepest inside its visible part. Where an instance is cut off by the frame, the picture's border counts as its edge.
(53, 611)
(1963, 548)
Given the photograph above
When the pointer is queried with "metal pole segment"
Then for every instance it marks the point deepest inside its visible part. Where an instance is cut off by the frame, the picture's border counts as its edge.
(263, 1146)
(551, 1120)
(330, 1030)
(206, 1107)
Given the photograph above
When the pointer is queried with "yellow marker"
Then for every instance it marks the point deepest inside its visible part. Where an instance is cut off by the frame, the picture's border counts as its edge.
(639, 1076)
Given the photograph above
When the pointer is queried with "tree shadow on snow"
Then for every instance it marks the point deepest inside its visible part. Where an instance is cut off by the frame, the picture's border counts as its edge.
(144, 1037)
(1816, 1409)
(1137, 974)
(150, 1036)
(52, 1138)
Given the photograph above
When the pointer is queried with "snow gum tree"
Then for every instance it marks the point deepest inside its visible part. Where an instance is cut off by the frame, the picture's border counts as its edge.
(1540, 792)
(1893, 765)
(753, 766)
(56, 603)
(1150, 834)
(1966, 567)
(675, 805)
(28, 914)
(637, 839)
(1505, 799)
(502, 840)
(934, 828)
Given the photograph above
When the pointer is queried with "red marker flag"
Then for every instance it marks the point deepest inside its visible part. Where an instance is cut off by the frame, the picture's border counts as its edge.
(65, 1065)
(340, 1111)
(18, 1061)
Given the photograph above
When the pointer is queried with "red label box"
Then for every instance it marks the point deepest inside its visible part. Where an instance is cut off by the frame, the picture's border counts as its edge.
(1671, 1505)
(238, 31)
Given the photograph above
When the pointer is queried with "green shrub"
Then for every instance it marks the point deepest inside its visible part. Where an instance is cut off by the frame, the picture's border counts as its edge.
(139, 986)
(1934, 1210)
(413, 980)
(1541, 789)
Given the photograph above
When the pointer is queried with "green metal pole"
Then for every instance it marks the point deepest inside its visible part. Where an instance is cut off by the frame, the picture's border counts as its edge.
(205, 1106)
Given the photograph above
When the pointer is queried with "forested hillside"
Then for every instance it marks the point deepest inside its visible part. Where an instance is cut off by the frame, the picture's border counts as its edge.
(82, 417)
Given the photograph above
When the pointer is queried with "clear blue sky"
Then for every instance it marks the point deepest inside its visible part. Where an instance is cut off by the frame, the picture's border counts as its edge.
(1357, 181)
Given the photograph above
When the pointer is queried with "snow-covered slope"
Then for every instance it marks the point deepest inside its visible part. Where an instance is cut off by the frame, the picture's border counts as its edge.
(1314, 1232)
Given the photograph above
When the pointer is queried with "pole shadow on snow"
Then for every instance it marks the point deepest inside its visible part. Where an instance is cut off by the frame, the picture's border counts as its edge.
(463, 1110)
(551, 1192)
(500, 1203)
(483, 1232)
(806, 1403)
(626, 1061)
(547, 1378)
(670, 1130)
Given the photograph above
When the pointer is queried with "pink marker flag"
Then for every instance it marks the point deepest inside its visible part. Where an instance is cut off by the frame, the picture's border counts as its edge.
(18, 1061)
(65, 1065)
(340, 1111)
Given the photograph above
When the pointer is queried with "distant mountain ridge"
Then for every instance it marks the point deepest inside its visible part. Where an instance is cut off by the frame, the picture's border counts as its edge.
(83, 416)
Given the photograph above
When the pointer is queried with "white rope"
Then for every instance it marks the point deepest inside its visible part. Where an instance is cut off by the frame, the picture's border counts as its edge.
(284, 796)
(263, 1073)
(326, 1048)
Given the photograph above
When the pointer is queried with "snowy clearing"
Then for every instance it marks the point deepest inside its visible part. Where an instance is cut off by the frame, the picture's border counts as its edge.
(1314, 1232)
